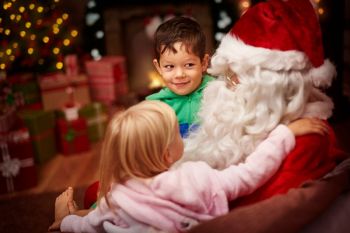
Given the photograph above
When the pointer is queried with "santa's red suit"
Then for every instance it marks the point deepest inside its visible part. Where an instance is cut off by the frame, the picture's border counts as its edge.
(313, 156)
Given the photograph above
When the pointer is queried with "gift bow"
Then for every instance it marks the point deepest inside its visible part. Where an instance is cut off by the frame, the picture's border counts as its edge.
(20, 136)
(11, 167)
(70, 135)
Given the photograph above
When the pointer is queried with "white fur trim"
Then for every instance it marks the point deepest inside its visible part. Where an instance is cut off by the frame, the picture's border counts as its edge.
(233, 52)
(323, 75)
(319, 105)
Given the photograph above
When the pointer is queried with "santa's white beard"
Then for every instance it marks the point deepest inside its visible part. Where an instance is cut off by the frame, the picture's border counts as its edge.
(233, 123)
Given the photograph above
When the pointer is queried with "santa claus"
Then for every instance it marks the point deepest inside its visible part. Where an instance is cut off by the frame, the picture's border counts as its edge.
(271, 70)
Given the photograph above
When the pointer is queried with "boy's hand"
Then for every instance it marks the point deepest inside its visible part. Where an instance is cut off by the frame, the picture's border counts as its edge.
(308, 125)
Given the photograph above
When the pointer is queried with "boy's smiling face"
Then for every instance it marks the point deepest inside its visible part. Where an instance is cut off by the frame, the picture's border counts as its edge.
(181, 71)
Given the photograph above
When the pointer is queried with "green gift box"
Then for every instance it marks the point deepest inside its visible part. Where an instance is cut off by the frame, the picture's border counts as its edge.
(41, 125)
(27, 85)
(97, 118)
(29, 90)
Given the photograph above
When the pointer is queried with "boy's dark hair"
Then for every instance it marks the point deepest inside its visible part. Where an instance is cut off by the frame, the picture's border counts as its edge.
(180, 29)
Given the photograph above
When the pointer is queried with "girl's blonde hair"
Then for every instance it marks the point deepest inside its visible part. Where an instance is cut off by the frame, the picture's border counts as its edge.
(135, 143)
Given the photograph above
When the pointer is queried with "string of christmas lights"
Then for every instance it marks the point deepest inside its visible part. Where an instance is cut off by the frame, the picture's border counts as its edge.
(34, 35)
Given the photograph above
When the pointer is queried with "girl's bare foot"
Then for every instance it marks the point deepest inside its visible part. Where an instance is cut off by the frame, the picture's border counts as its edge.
(61, 207)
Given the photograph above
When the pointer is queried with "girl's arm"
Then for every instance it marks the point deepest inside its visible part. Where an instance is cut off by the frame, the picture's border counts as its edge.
(243, 179)
(304, 126)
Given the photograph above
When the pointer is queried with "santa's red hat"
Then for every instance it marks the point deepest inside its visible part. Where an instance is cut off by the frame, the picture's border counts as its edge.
(277, 35)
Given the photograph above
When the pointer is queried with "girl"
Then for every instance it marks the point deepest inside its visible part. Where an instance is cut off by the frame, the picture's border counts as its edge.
(136, 181)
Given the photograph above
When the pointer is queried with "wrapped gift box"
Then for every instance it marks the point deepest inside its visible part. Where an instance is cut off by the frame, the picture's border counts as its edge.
(35, 106)
(7, 118)
(18, 171)
(113, 67)
(54, 89)
(8, 105)
(107, 78)
(71, 64)
(41, 125)
(107, 91)
(27, 85)
(96, 117)
(72, 136)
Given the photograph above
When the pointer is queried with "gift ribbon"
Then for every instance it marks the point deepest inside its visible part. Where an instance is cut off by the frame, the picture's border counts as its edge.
(99, 119)
(10, 167)
(43, 134)
(58, 88)
(59, 81)
(71, 63)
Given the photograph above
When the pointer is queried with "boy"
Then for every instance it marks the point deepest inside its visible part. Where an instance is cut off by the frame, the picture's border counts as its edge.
(181, 60)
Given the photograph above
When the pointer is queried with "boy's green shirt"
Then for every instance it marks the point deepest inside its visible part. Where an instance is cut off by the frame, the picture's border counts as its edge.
(186, 107)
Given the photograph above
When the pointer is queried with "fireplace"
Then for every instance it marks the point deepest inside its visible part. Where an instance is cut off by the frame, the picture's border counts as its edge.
(126, 34)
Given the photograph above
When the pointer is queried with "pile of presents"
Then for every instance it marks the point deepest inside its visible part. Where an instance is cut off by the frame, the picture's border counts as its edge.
(58, 113)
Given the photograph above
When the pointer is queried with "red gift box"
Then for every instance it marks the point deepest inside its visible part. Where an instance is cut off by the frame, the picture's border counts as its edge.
(71, 64)
(73, 136)
(18, 171)
(107, 78)
(107, 91)
(109, 67)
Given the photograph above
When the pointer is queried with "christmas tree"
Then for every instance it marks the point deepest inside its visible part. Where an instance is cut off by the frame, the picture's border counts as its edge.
(34, 36)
